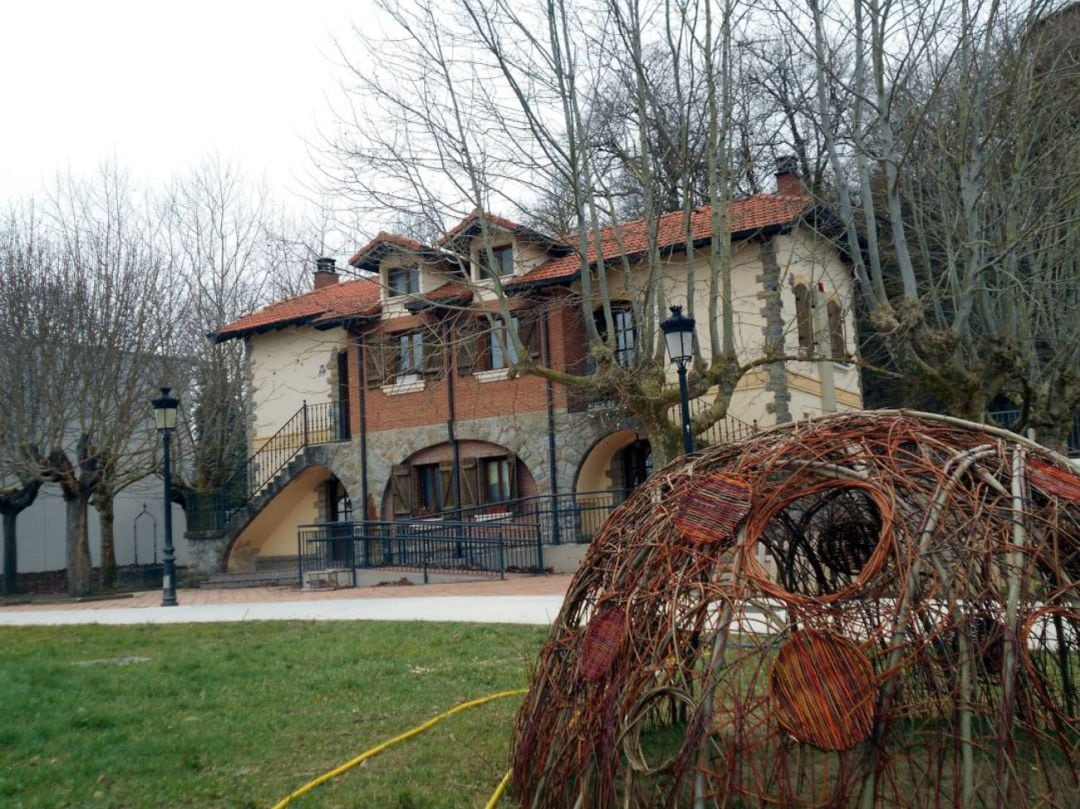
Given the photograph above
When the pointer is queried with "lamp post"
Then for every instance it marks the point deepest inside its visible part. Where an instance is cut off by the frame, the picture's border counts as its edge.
(165, 418)
(679, 336)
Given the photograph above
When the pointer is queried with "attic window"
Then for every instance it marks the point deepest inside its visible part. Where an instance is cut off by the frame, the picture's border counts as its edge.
(504, 261)
(403, 281)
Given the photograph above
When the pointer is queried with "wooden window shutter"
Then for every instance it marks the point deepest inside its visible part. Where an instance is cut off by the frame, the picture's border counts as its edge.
(446, 485)
(529, 332)
(837, 342)
(432, 354)
(468, 483)
(401, 489)
(804, 319)
(375, 358)
(467, 354)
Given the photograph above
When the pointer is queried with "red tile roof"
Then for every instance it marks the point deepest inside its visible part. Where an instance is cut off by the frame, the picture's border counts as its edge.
(744, 216)
(469, 220)
(362, 296)
(381, 243)
(345, 299)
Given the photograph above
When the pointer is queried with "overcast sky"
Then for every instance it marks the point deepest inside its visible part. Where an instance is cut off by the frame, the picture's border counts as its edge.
(159, 85)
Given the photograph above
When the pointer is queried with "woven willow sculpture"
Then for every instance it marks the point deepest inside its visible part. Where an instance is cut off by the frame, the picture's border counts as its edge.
(872, 609)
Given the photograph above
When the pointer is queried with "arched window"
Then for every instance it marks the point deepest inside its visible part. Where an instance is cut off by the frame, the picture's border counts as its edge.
(837, 342)
(804, 318)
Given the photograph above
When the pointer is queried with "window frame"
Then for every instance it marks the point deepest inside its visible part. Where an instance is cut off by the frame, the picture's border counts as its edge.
(499, 346)
(406, 343)
(428, 479)
(503, 467)
(412, 284)
(504, 261)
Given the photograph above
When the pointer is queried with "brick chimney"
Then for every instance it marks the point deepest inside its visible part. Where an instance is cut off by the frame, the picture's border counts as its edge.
(788, 181)
(325, 272)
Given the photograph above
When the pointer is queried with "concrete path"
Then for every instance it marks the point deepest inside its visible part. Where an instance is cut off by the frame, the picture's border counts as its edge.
(518, 600)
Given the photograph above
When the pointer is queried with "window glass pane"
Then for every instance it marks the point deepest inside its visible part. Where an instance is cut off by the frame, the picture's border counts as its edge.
(427, 477)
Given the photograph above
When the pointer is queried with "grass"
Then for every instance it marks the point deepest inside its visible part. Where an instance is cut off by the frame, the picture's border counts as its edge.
(239, 715)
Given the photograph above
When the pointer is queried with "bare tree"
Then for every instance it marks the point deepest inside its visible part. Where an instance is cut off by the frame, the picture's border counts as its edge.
(960, 182)
(116, 347)
(472, 106)
(29, 368)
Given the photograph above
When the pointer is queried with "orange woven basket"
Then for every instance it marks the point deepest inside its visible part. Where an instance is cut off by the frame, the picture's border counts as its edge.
(603, 638)
(713, 509)
(822, 688)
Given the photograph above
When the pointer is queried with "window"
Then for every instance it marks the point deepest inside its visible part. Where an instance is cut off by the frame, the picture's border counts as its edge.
(624, 344)
(504, 261)
(804, 319)
(837, 342)
(501, 351)
(403, 281)
(496, 484)
(428, 489)
(409, 362)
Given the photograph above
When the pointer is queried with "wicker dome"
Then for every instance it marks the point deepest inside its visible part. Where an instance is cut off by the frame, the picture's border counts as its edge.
(874, 609)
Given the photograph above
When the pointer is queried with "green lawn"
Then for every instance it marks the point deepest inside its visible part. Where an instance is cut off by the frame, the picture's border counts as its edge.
(239, 715)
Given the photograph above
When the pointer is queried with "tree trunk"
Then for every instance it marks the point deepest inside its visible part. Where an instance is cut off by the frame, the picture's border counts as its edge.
(11, 504)
(78, 544)
(106, 520)
(11, 565)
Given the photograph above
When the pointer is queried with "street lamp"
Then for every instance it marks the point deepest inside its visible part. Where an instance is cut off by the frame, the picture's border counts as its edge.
(679, 336)
(165, 418)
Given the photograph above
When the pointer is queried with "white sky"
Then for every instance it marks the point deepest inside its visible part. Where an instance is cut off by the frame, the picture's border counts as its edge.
(160, 85)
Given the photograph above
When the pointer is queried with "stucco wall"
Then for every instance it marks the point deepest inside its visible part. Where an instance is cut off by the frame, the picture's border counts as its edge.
(287, 367)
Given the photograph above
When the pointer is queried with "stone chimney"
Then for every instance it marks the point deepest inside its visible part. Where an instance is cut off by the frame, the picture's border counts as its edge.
(325, 272)
(788, 181)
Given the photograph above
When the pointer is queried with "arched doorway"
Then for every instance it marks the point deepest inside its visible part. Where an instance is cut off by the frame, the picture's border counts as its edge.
(621, 460)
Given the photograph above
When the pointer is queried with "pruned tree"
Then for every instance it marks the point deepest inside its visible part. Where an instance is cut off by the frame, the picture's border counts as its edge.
(31, 418)
(959, 182)
(116, 346)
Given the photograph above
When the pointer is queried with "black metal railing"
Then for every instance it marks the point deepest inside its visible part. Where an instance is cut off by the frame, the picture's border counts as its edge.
(723, 431)
(321, 423)
(431, 546)
(490, 539)
(1009, 419)
(311, 424)
(571, 518)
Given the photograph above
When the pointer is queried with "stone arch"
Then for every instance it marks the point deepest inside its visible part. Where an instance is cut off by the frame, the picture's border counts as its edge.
(423, 482)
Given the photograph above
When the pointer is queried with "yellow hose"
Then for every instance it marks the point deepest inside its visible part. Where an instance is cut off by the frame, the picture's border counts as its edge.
(499, 790)
(374, 751)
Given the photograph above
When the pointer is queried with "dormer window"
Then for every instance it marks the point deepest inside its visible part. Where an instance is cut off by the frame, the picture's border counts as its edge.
(504, 261)
(403, 281)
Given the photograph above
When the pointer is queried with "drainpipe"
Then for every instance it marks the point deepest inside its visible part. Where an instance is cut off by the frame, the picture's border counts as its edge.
(456, 457)
(361, 352)
(555, 531)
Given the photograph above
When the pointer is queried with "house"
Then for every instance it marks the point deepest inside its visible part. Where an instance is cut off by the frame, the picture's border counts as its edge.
(398, 386)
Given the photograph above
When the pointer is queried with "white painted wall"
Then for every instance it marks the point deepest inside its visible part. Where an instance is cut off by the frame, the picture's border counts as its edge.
(40, 529)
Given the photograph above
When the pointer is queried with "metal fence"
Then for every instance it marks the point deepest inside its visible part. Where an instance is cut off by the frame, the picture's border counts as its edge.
(441, 546)
(485, 540)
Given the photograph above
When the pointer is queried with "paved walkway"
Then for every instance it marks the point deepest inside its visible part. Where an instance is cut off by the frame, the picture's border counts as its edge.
(517, 600)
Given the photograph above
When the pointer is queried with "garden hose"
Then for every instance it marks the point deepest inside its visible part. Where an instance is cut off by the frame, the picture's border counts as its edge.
(499, 790)
(374, 751)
